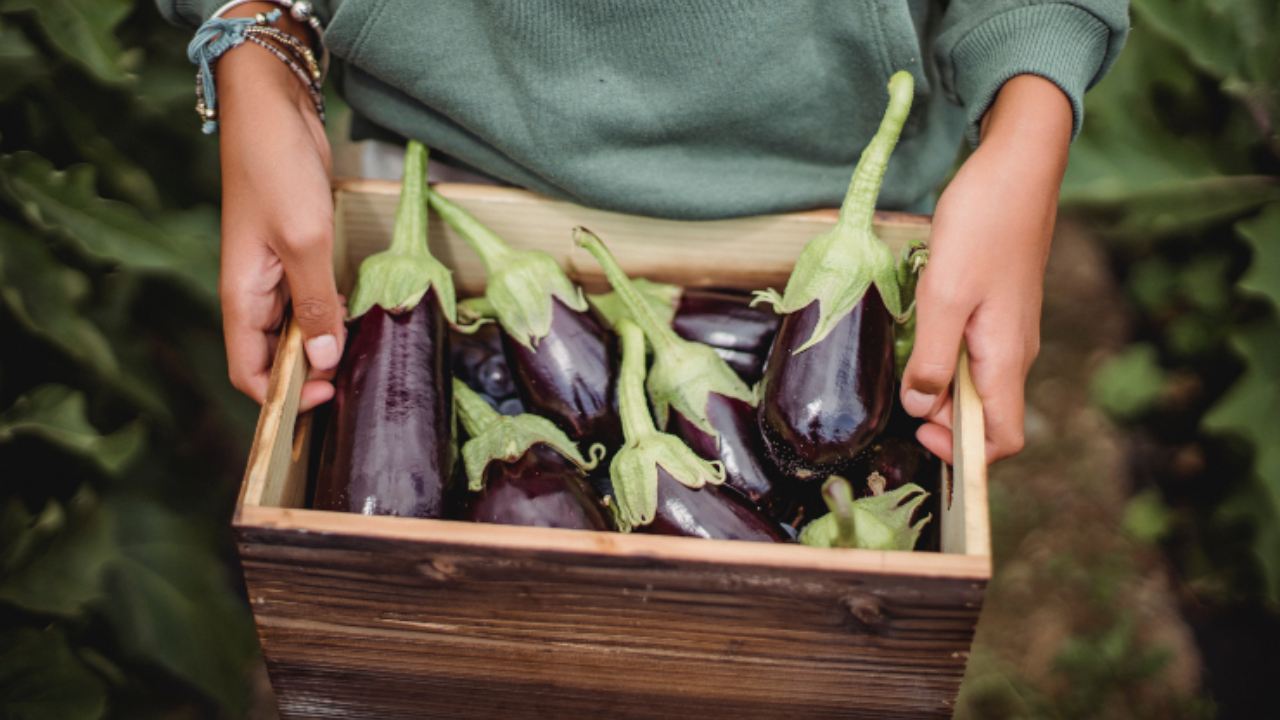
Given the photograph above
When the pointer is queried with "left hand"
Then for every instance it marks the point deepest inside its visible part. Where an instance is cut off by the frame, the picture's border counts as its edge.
(985, 278)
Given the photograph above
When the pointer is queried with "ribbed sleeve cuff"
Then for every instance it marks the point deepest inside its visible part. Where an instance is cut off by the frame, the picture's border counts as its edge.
(1059, 42)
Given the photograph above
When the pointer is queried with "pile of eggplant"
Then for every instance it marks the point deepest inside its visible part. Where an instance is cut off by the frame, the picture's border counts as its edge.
(651, 408)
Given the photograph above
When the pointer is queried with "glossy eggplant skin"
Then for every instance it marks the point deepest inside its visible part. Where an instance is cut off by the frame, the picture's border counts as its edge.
(389, 447)
(540, 489)
(568, 376)
(479, 361)
(708, 512)
(739, 333)
(724, 320)
(819, 408)
(741, 450)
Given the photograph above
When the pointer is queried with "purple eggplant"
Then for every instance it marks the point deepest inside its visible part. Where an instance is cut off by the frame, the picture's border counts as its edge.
(560, 356)
(878, 522)
(895, 462)
(698, 396)
(659, 484)
(523, 470)
(389, 449)
(828, 381)
(724, 320)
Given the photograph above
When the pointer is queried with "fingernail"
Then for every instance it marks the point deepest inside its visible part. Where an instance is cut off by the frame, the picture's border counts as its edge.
(916, 403)
(322, 351)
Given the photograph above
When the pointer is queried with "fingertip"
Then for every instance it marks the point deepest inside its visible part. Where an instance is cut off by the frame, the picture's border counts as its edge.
(936, 439)
(314, 394)
(323, 352)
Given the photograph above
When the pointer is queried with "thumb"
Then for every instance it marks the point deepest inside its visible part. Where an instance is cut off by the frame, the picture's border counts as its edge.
(940, 326)
(316, 304)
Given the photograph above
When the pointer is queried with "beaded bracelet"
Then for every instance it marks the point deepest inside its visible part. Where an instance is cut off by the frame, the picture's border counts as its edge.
(302, 11)
(218, 35)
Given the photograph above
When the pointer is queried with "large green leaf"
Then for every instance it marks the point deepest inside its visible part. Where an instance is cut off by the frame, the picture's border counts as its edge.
(108, 231)
(1262, 234)
(84, 31)
(20, 61)
(1129, 383)
(1249, 410)
(56, 413)
(1141, 166)
(42, 679)
(1232, 40)
(151, 574)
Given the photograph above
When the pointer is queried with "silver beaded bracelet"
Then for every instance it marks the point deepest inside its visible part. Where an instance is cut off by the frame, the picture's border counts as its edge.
(302, 11)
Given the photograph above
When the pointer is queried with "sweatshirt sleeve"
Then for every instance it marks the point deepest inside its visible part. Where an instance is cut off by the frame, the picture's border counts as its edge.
(983, 43)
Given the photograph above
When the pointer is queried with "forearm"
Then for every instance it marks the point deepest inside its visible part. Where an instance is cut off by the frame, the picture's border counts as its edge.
(1031, 119)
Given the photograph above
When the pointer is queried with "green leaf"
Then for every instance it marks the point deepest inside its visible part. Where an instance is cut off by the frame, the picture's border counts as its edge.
(58, 561)
(84, 31)
(42, 679)
(45, 296)
(66, 202)
(1249, 410)
(56, 414)
(1146, 517)
(151, 574)
(20, 61)
(1129, 383)
(1262, 234)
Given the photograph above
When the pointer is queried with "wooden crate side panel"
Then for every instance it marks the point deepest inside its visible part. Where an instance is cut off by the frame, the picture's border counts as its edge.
(376, 627)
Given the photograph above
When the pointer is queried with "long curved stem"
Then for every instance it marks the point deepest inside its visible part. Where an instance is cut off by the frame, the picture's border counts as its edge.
(859, 205)
(475, 414)
(658, 332)
(484, 241)
(633, 406)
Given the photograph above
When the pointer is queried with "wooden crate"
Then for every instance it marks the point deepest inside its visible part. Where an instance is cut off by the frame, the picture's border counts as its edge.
(381, 617)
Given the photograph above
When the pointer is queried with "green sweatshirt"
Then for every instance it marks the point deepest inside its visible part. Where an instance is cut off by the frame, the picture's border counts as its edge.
(698, 108)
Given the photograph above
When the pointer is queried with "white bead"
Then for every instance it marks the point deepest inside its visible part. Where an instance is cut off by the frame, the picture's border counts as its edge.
(300, 10)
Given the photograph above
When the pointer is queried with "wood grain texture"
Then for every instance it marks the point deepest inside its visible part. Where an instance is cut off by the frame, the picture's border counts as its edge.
(388, 627)
(398, 618)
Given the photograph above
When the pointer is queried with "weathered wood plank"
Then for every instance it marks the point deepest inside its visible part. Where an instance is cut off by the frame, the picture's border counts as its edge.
(385, 627)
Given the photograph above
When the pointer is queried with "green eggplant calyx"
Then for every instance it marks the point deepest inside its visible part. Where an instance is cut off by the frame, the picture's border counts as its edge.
(522, 284)
(476, 309)
(397, 278)
(684, 373)
(661, 296)
(508, 437)
(879, 522)
(836, 268)
(634, 468)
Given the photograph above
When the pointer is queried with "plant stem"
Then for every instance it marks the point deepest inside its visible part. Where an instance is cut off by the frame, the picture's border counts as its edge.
(484, 241)
(409, 236)
(476, 415)
(859, 206)
(838, 495)
(633, 406)
(658, 332)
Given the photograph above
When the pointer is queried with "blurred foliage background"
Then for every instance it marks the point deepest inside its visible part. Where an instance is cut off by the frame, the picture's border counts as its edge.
(121, 441)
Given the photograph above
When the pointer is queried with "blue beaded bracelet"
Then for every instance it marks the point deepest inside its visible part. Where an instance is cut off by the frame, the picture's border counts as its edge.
(216, 36)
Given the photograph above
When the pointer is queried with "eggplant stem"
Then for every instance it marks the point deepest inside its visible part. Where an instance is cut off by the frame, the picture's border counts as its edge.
(476, 415)
(409, 236)
(838, 495)
(642, 313)
(633, 406)
(484, 241)
(858, 209)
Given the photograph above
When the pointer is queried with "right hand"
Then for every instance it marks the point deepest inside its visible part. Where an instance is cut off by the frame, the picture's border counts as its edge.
(277, 224)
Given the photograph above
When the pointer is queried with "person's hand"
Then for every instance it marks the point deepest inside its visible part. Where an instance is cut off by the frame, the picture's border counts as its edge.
(277, 222)
(984, 280)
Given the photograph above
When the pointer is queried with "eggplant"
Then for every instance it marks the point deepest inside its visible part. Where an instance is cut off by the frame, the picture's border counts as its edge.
(523, 470)
(829, 378)
(878, 522)
(726, 321)
(478, 361)
(660, 486)
(389, 449)
(895, 462)
(695, 393)
(559, 354)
